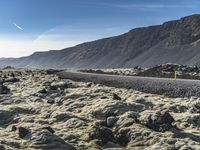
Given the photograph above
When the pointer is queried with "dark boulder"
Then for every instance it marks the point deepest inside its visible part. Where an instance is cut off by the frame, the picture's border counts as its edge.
(160, 121)
(45, 140)
(111, 121)
(2, 147)
(102, 134)
(51, 101)
(4, 89)
(43, 91)
(13, 128)
(195, 108)
(49, 129)
(123, 137)
(6, 117)
(23, 132)
(116, 97)
(12, 80)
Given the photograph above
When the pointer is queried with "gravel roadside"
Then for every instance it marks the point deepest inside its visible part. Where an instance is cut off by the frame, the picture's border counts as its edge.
(163, 86)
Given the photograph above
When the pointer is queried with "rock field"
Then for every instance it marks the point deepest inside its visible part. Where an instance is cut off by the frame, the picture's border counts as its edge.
(39, 111)
(161, 71)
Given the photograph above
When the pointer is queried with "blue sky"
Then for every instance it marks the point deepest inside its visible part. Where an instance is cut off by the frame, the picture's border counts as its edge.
(38, 25)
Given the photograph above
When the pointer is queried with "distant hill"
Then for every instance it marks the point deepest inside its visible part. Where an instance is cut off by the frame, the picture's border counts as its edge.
(172, 42)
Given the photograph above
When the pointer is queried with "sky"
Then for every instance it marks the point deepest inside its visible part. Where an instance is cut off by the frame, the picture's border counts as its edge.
(27, 26)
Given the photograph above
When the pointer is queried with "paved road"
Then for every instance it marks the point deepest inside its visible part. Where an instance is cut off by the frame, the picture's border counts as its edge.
(163, 86)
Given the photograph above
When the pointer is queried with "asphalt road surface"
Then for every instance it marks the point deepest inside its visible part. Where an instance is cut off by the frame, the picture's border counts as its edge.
(162, 86)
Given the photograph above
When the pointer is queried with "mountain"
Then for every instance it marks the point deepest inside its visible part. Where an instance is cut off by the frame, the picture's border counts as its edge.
(174, 41)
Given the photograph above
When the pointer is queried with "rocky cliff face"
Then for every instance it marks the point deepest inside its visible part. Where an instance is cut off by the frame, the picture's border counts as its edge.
(175, 42)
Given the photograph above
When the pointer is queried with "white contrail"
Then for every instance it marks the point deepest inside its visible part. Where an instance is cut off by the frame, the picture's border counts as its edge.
(20, 28)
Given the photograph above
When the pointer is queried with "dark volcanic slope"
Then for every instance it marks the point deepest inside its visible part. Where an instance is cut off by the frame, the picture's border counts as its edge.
(175, 41)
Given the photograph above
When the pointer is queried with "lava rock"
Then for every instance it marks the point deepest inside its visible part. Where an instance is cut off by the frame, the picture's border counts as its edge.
(10, 144)
(74, 123)
(160, 121)
(178, 108)
(61, 116)
(52, 87)
(4, 89)
(49, 129)
(195, 108)
(6, 117)
(116, 97)
(111, 121)
(43, 91)
(59, 101)
(89, 84)
(122, 137)
(112, 146)
(12, 80)
(106, 108)
(193, 120)
(51, 101)
(103, 134)
(2, 147)
(101, 123)
(127, 119)
(104, 97)
(13, 128)
(45, 140)
(23, 132)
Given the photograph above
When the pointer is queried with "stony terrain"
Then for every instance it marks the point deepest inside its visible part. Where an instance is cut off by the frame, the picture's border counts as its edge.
(167, 71)
(116, 71)
(40, 111)
(161, 71)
